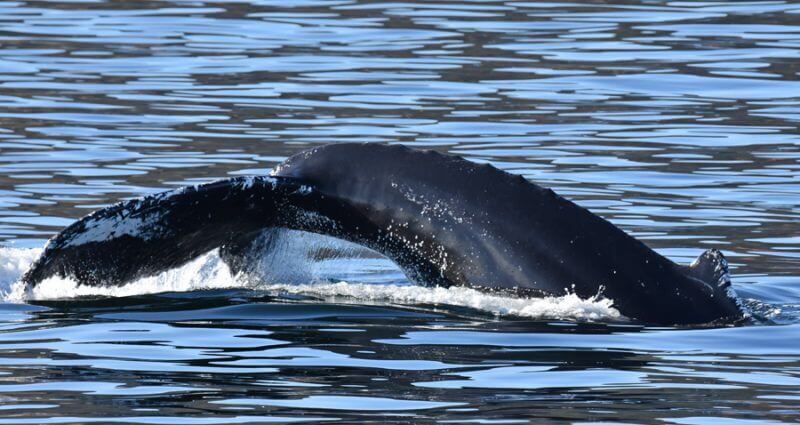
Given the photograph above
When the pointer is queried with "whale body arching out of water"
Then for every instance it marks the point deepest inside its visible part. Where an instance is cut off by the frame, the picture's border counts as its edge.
(442, 219)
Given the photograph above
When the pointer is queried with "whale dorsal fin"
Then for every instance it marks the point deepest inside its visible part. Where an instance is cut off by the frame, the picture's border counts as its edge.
(711, 267)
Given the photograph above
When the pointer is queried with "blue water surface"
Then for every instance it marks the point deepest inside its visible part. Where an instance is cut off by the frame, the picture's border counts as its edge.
(676, 120)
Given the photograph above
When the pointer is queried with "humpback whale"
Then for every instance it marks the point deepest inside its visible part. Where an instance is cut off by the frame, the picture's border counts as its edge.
(442, 219)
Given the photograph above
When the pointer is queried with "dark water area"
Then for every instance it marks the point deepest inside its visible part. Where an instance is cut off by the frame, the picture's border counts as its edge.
(677, 121)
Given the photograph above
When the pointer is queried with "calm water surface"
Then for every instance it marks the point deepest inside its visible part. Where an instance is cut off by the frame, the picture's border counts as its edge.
(678, 121)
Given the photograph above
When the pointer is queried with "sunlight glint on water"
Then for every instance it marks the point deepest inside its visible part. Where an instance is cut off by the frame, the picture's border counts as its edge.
(677, 121)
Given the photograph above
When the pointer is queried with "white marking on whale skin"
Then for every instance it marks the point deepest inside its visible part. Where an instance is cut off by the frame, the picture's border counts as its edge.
(99, 230)
(248, 182)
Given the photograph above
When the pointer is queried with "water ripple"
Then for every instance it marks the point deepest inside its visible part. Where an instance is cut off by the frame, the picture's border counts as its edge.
(675, 120)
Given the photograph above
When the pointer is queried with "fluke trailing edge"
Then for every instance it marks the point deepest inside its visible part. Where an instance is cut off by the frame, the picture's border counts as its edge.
(442, 219)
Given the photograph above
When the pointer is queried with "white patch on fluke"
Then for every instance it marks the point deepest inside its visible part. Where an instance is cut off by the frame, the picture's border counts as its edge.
(103, 229)
(132, 221)
(248, 182)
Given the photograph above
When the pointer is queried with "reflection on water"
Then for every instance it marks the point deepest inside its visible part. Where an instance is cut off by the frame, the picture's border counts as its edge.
(83, 361)
(676, 120)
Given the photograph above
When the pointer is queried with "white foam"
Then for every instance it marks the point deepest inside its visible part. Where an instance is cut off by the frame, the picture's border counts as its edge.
(569, 306)
(205, 272)
(209, 272)
(13, 263)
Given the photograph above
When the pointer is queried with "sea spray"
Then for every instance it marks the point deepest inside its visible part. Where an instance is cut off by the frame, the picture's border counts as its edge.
(13, 263)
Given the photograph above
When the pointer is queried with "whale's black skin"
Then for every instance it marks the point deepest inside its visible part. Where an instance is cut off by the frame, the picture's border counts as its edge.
(442, 219)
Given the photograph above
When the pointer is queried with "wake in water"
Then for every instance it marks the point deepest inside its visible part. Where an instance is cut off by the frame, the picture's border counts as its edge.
(311, 265)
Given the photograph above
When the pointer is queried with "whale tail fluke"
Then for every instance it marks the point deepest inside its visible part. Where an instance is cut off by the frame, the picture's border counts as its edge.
(143, 237)
(711, 267)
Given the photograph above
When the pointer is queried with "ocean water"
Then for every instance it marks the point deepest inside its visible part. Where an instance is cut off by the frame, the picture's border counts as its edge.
(676, 120)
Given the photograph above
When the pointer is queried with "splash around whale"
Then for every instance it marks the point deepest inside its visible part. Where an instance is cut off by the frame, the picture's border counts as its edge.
(443, 220)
